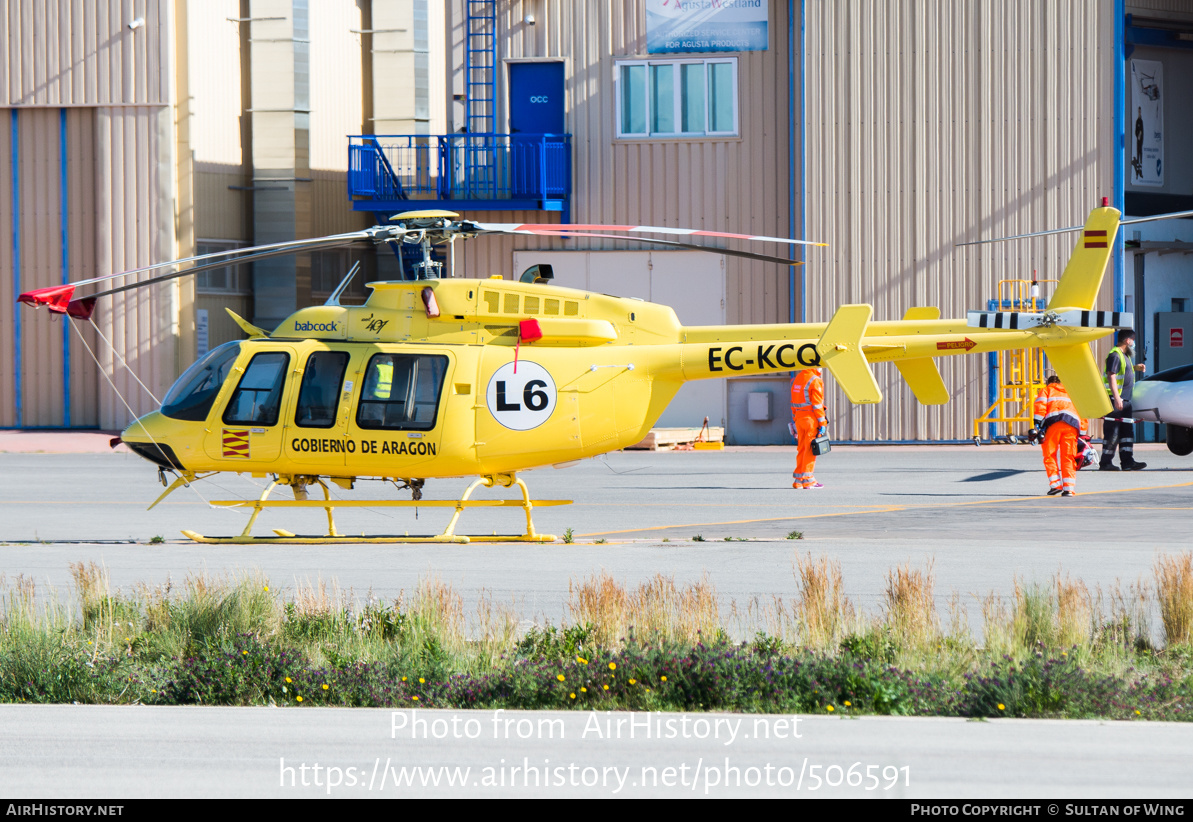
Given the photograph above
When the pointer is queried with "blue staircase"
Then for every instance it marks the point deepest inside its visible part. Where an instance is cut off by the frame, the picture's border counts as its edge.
(477, 169)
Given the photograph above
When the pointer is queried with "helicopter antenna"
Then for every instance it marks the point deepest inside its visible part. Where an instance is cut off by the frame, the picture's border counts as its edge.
(334, 299)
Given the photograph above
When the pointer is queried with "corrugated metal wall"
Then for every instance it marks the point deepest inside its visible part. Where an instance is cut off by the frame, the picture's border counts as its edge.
(724, 184)
(933, 123)
(337, 110)
(77, 76)
(135, 228)
(83, 53)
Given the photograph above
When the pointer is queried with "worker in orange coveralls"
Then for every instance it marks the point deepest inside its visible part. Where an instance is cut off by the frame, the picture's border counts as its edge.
(1058, 422)
(808, 423)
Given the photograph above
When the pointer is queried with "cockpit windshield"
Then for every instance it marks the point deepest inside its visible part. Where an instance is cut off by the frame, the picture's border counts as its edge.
(191, 397)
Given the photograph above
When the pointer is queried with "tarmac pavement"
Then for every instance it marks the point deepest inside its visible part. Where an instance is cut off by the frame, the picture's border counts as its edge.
(978, 516)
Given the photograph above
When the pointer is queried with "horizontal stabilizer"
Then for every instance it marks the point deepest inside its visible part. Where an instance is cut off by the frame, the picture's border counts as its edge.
(1075, 366)
(923, 377)
(1029, 319)
(840, 350)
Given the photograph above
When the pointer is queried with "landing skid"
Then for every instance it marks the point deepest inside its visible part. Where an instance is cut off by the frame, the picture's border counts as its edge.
(331, 537)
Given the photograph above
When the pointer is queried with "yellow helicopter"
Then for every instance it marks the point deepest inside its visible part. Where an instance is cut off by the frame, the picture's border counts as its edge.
(443, 377)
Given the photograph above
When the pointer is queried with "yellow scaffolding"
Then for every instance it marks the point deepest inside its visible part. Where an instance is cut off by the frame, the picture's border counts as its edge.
(1020, 371)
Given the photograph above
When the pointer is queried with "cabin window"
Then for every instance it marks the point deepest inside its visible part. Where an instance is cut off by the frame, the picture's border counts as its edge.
(401, 392)
(258, 398)
(191, 397)
(320, 391)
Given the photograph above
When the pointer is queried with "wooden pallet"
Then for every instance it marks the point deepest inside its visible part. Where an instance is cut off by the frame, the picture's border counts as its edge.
(670, 439)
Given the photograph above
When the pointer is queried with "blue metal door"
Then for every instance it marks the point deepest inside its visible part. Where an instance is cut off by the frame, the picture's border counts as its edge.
(536, 98)
(536, 108)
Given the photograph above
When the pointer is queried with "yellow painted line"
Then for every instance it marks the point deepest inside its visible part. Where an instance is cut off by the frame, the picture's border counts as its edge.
(896, 508)
(876, 510)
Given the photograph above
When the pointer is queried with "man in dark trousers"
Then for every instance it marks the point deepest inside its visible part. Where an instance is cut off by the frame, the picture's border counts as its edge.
(1118, 429)
(1138, 163)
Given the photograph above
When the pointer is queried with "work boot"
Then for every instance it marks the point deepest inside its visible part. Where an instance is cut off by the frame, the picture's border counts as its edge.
(1107, 466)
(1134, 466)
(1068, 493)
(1052, 492)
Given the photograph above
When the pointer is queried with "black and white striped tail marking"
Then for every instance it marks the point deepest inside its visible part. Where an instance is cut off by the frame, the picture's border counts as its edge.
(1027, 319)
(1003, 319)
(1101, 319)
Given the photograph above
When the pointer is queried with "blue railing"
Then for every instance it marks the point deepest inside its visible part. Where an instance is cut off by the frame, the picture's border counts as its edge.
(497, 170)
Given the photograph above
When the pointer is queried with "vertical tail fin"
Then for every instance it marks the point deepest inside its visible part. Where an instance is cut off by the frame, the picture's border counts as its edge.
(1076, 368)
(1078, 286)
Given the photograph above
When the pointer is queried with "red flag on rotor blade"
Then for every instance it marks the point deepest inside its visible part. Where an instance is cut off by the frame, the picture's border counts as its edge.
(81, 309)
(57, 298)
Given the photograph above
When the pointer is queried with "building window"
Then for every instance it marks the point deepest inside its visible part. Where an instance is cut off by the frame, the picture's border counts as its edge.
(677, 98)
(231, 279)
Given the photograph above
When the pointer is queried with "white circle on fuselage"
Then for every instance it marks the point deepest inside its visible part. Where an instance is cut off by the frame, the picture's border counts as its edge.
(523, 400)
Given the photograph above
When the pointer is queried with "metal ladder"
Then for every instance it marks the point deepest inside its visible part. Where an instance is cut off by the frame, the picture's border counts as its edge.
(480, 81)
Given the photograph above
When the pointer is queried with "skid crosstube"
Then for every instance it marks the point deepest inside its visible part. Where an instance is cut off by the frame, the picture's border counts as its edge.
(327, 503)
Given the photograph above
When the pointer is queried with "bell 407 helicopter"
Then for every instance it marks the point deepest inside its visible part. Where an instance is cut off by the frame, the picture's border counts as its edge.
(443, 377)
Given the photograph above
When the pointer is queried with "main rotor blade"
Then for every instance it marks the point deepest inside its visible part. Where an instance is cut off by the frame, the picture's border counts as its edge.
(293, 245)
(309, 245)
(1023, 236)
(555, 228)
(749, 255)
(1169, 216)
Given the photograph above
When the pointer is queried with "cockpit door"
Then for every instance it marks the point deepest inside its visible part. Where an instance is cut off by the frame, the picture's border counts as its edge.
(248, 429)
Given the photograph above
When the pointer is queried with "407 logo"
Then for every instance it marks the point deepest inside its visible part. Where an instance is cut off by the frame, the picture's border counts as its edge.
(374, 325)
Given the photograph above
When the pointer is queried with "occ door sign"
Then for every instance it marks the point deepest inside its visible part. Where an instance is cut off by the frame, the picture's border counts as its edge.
(523, 400)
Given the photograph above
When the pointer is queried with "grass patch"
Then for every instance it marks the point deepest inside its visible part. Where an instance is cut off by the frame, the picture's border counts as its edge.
(1055, 649)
